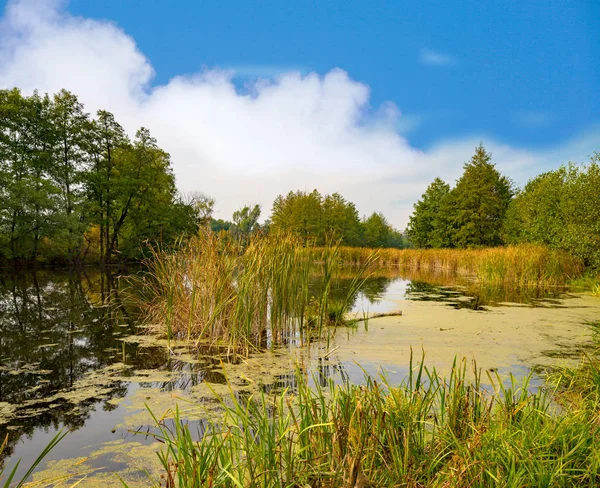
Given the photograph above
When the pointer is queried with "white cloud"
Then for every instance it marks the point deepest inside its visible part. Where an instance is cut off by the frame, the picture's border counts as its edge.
(290, 131)
(436, 58)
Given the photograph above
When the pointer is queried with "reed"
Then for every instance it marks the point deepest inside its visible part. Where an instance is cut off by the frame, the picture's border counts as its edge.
(213, 290)
(522, 265)
(429, 431)
(9, 480)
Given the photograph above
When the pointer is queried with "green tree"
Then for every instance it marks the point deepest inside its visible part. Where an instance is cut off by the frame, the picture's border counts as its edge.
(429, 224)
(480, 200)
(561, 209)
(299, 213)
(536, 213)
(68, 170)
(376, 231)
(245, 221)
(106, 139)
(28, 195)
(340, 220)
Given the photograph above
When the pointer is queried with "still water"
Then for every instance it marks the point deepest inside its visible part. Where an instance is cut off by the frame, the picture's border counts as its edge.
(72, 357)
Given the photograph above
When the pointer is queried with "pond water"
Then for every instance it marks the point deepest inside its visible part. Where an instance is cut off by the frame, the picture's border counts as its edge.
(71, 357)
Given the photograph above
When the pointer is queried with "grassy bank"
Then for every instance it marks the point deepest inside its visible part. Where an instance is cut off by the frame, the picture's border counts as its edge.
(429, 431)
(213, 290)
(523, 265)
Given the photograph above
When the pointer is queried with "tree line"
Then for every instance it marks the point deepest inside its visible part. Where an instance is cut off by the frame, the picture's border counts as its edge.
(316, 219)
(560, 208)
(74, 186)
(331, 217)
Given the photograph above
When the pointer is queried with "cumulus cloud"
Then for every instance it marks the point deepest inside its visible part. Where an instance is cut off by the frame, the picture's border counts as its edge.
(429, 57)
(287, 131)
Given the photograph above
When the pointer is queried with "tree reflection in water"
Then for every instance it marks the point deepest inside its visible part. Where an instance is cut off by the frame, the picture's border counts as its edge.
(55, 328)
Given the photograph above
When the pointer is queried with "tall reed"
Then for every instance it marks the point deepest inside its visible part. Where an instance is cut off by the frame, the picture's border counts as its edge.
(429, 431)
(214, 290)
(522, 265)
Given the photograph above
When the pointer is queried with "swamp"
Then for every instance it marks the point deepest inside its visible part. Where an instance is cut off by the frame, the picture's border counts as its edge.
(73, 357)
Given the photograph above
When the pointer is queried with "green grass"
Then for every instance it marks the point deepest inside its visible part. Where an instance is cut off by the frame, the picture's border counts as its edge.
(428, 431)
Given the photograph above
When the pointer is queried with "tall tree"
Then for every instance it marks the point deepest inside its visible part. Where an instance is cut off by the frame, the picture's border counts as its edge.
(245, 221)
(300, 213)
(429, 224)
(106, 138)
(70, 160)
(340, 220)
(480, 198)
(377, 231)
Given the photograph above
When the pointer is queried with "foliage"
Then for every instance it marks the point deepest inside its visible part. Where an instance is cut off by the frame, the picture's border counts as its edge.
(428, 225)
(321, 219)
(469, 215)
(480, 200)
(245, 221)
(429, 431)
(70, 183)
(561, 209)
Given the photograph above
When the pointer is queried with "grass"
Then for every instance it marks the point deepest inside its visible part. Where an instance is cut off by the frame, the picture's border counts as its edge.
(215, 291)
(429, 431)
(523, 265)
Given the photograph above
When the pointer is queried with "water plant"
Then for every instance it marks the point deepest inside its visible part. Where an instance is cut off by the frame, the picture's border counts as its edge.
(216, 291)
(522, 265)
(431, 430)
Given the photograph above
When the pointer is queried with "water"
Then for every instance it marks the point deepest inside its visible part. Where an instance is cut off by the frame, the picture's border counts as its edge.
(67, 360)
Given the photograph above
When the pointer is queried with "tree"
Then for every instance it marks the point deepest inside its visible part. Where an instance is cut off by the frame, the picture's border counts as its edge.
(480, 199)
(340, 220)
(245, 221)
(536, 214)
(299, 213)
(69, 183)
(28, 194)
(376, 231)
(105, 140)
(429, 222)
(560, 209)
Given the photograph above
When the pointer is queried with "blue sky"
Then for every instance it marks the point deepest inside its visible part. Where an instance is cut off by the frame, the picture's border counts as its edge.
(527, 72)
(370, 99)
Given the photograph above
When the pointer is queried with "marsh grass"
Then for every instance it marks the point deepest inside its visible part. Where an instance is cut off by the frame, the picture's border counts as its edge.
(237, 298)
(523, 265)
(429, 431)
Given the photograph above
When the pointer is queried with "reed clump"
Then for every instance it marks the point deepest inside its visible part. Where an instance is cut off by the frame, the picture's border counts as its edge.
(522, 265)
(429, 431)
(218, 291)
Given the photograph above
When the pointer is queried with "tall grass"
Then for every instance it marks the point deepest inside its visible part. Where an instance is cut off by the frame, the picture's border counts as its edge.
(429, 431)
(212, 290)
(522, 265)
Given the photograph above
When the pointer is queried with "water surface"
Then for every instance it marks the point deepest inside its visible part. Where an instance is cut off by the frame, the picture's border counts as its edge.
(71, 357)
